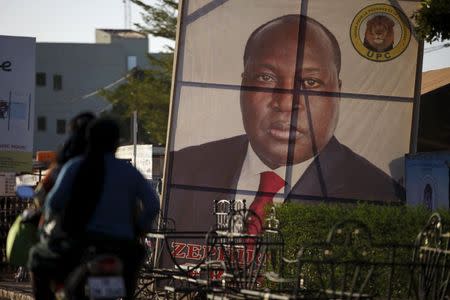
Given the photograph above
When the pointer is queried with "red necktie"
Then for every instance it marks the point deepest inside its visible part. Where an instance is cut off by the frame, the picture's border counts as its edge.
(269, 184)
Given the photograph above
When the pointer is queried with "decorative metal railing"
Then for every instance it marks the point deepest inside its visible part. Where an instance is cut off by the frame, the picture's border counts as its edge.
(347, 265)
(236, 265)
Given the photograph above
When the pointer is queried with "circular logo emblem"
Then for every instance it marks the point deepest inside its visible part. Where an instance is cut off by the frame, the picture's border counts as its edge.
(380, 32)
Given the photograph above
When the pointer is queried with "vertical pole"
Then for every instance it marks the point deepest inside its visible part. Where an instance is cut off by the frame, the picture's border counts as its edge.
(135, 129)
(416, 105)
(125, 14)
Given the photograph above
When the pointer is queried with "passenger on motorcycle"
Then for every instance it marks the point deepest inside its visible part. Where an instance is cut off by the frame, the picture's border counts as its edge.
(101, 202)
(74, 145)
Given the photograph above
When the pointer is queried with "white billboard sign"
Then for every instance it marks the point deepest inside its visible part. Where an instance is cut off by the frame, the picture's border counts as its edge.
(144, 155)
(17, 76)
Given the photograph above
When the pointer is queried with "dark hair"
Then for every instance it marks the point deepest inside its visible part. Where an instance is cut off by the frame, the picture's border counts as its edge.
(300, 18)
(76, 143)
(103, 137)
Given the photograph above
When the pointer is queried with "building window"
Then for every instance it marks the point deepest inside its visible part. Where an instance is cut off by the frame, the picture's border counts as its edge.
(41, 123)
(40, 79)
(60, 126)
(57, 82)
(131, 62)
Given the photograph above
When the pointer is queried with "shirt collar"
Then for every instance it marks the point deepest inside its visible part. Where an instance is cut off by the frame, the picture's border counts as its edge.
(253, 166)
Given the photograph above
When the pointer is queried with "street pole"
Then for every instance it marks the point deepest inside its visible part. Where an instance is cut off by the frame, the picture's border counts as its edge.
(135, 129)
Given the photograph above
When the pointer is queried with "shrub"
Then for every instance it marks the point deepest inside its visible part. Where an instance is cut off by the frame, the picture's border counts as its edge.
(303, 225)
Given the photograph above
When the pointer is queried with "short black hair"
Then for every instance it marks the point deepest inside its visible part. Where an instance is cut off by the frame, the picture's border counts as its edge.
(300, 18)
(103, 135)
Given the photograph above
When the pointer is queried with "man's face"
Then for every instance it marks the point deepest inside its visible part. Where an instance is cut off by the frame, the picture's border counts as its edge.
(266, 113)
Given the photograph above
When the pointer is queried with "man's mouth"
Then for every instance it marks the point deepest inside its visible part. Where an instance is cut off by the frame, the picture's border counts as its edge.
(282, 131)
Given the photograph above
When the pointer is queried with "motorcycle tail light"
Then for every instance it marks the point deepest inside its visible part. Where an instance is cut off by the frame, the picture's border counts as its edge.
(107, 264)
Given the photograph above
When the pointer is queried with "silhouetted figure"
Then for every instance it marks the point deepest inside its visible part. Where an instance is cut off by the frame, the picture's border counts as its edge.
(102, 202)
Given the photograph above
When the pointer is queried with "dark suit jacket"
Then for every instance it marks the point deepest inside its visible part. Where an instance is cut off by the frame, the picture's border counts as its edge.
(200, 174)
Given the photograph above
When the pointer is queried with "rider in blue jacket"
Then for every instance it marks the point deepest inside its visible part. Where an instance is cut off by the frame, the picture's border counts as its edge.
(101, 201)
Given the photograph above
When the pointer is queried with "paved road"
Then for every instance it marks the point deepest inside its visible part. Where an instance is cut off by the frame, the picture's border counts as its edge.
(12, 290)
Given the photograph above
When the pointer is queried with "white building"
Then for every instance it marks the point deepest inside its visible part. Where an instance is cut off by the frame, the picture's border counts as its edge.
(69, 74)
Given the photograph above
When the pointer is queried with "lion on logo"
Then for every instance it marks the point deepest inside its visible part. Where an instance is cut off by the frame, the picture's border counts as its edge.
(379, 36)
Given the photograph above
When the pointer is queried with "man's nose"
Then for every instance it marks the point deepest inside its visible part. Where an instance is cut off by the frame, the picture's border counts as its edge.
(285, 99)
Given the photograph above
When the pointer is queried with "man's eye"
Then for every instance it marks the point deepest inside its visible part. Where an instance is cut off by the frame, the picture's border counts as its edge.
(310, 83)
(265, 77)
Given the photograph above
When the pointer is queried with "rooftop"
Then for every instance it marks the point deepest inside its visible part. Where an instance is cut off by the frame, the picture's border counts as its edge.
(435, 79)
(125, 33)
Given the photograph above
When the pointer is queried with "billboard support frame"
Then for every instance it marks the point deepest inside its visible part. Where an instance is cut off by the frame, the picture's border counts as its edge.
(416, 104)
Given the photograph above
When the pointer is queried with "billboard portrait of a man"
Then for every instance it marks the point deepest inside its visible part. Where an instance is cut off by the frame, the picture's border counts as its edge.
(289, 104)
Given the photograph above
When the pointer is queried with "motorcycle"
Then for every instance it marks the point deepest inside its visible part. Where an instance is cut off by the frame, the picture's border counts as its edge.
(99, 275)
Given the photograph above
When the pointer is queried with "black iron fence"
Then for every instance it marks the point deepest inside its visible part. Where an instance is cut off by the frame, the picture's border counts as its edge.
(345, 265)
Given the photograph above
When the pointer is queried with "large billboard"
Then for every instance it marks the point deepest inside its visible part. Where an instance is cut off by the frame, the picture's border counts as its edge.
(309, 101)
(17, 77)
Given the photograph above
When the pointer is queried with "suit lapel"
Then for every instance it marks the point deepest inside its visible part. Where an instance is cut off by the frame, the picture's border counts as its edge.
(234, 162)
(315, 180)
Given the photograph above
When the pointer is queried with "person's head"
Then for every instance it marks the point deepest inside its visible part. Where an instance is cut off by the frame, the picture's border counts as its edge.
(76, 142)
(103, 136)
(80, 122)
(282, 83)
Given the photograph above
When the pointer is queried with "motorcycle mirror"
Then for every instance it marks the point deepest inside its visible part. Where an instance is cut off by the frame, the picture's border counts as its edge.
(25, 191)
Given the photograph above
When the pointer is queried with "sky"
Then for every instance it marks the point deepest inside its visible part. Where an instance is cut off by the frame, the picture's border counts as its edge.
(76, 20)
(71, 21)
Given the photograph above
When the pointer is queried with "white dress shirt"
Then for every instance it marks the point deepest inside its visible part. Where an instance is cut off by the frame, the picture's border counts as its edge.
(250, 175)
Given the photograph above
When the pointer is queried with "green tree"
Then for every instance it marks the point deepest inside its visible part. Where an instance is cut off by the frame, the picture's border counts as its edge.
(148, 91)
(160, 19)
(433, 20)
